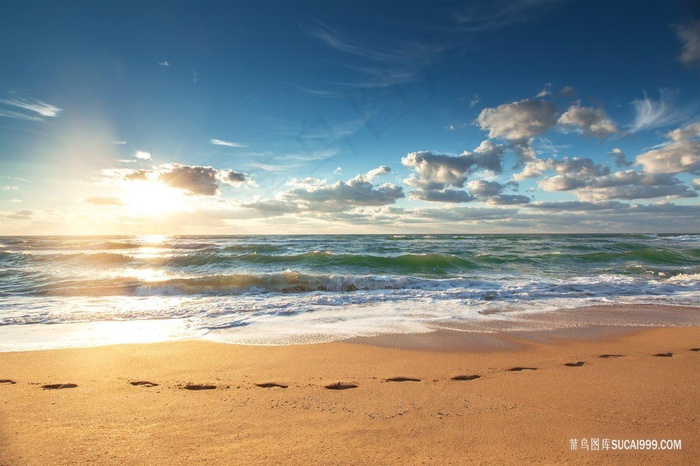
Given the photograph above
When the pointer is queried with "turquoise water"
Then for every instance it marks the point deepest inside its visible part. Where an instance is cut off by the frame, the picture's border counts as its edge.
(322, 287)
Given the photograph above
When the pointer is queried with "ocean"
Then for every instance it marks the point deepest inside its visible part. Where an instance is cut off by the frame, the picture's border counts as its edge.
(274, 290)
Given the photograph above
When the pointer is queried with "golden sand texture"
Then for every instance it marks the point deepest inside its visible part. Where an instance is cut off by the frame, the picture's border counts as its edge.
(196, 402)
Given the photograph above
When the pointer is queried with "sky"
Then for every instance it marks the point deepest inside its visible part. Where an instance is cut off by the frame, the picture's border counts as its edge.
(273, 117)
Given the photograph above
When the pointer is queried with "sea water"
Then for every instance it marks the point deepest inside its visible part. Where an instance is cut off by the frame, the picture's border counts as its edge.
(82, 291)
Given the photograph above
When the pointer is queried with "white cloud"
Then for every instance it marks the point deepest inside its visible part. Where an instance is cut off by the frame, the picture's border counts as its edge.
(18, 116)
(142, 154)
(10, 188)
(650, 113)
(119, 143)
(562, 183)
(631, 192)
(485, 188)
(534, 168)
(164, 63)
(380, 171)
(436, 172)
(680, 154)
(690, 36)
(518, 121)
(575, 167)
(358, 191)
(220, 142)
(33, 105)
(629, 184)
(590, 121)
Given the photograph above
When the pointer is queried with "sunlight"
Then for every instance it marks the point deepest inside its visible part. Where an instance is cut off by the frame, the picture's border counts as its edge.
(151, 198)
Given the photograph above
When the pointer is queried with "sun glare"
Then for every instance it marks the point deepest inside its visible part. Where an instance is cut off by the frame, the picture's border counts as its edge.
(152, 198)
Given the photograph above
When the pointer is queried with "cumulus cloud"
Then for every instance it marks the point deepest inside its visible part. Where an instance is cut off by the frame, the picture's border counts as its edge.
(696, 183)
(689, 34)
(534, 168)
(629, 184)
(357, 191)
(562, 183)
(567, 169)
(142, 154)
(194, 180)
(590, 121)
(619, 158)
(203, 181)
(681, 154)
(379, 171)
(485, 188)
(443, 195)
(650, 113)
(435, 171)
(518, 121)
(631, 192)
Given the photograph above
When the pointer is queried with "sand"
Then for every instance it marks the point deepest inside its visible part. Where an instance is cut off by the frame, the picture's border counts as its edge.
(196, 402)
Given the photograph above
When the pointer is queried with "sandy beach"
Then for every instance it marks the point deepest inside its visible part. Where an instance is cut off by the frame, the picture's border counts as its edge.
(196, 402)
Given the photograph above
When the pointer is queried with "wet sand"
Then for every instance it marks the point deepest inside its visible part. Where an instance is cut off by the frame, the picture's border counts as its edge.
(519, 401)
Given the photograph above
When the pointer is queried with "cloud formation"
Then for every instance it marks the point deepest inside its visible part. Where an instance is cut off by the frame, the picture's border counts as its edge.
(650, 113)
(689, 34)
(619, 158)
(142, 154)
(28, 105)
(590, 121)
(221, 142)
(681, 154)
(518, 121)
(203, 181)
(194, 180)
(629, 184)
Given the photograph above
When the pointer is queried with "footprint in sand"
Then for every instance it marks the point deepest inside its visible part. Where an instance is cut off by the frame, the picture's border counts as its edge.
(608, 356)
(340, 386)
(518, 369)
(465, 377)
(271, 385)
(664, 355)
(402, 379)
(143, 383)
(8, 381)
(196, 386)
(694, 349)
(58, 386)
(575, 364)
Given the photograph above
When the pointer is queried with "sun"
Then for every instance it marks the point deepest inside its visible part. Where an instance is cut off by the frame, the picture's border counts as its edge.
(151, 198)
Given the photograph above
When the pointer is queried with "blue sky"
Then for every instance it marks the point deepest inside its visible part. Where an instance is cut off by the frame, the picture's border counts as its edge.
(349, 117)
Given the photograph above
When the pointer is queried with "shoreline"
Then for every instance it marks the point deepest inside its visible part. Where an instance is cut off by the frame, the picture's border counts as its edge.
(202, 402)
(496, 332)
